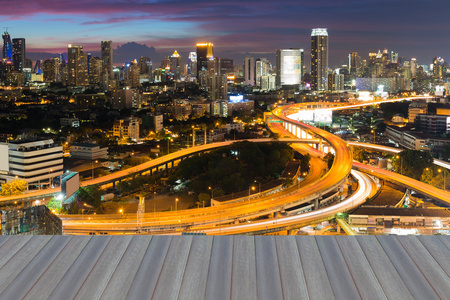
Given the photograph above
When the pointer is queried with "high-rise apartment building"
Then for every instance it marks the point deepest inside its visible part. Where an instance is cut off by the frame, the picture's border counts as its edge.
(7, 46)
(226, 67)
(289, 66)
(192, 64)
(438, 67)
(51, 69)
(262, 68)
(249, 70)
(95, 70)
(204, 54)
(18, 54)
(77, 65)
(319, 59)
(107, 58)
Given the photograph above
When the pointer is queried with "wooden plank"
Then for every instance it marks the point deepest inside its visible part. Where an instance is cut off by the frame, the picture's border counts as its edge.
(316, 276)
(267, 269)
(147, 276)
(365, 280)
(51, 277)
(432, 271)
(123, 276)
(14, 244)
(340, 278)
(411, 275)
(21, 259)
(438, 250)
(75, 276)
(291, 271)
(31, 273)
(390, 281)
(243, 276)
(4, 239)
(218, 285)
(171, 275)
(97, 280)
(193, 285)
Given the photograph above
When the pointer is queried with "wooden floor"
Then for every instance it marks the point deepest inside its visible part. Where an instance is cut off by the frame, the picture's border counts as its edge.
(225, 267)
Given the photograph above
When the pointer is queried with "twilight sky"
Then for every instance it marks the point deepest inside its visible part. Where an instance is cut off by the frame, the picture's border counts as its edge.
(414, 28)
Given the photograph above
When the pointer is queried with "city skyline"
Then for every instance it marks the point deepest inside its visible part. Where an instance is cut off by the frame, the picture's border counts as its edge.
(235, 28)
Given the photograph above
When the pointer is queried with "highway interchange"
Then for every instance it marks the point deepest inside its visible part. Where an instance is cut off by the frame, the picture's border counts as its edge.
(239, 216)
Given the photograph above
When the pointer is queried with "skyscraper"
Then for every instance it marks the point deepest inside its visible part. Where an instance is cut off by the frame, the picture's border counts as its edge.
(262, 68)
(204, 54)
(77, 65)
(7, 46)
(319, 59)
(107, 58)
(18, 56)
(175, 65)
(192, 64)
(289, 67)
(249, 70)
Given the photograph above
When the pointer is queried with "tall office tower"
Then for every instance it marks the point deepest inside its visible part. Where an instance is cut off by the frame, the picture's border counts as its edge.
(77, 65)
(18, 56)
(192, 64)
(7, 46)
(394, 57)
(289, 67)
(413, 67)
(438, 67)
(262, 68)
(145, 65)
(204, 54)
(226, 67)
(249, 70)
(319, 59)
(175, 65)
(107, 58)
(95, 70)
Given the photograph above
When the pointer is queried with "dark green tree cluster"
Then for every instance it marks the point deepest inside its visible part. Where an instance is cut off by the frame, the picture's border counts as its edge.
(392, 108)
(91, 195)
(235, 167)
(412, 163)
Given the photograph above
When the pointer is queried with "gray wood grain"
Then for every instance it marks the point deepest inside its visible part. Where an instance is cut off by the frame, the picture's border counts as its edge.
(80, 269)
(316, 276)
(219, 273)
(125, 272)
(411, 275)
(434, 274)
(391, 282)
(291, 269)
(438, 250)
(243, 276)
(11, 269)
(51, 277)
(9, 249)
(171, 275)
(147, 276)
(267, 269)
(362, 274)
(193, 285)
(101, 273)
(340, 278)
(36, 267)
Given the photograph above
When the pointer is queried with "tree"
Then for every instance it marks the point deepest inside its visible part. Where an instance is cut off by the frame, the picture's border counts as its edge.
(329, 158)
(92, 195)
(412, 163)
(204, 199)
(14, 187)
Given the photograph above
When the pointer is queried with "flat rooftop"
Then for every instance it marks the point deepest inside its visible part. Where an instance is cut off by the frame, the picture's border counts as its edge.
(224, 267)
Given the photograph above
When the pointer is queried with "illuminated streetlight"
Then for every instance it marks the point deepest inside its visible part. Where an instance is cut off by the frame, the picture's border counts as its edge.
(373, 131)
(121, 211)
(176, 203)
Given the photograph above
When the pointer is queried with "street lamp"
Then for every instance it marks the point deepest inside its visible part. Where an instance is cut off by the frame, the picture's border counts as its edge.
(373, 131)
(401, 164)
(176, 202)
(168, 145)
(121, 211)
(212, 193)
(256, 181)
(443, 175)
(92, 165)
(193, 135)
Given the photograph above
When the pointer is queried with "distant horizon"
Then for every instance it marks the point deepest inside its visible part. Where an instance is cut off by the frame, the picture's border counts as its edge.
(411, 28)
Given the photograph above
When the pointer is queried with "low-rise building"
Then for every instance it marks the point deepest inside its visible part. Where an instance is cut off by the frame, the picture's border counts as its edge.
(72, 122)
(38, 161)
(88, 151)
(387, 220)
(127, 128)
